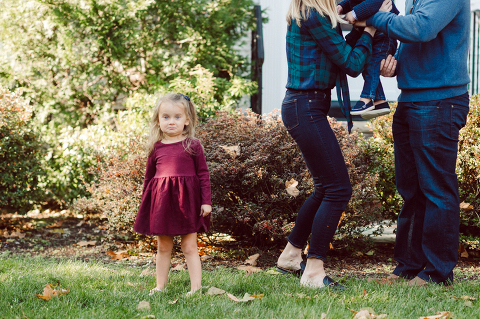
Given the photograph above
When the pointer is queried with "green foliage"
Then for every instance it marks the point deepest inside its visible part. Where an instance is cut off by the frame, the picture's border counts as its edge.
(72, 56)
(20, 154)
(468, 170)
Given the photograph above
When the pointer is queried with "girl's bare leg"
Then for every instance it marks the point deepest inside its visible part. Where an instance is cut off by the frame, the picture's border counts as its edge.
(164, 254)
(290, 258)
(190, 250)
(365, 100)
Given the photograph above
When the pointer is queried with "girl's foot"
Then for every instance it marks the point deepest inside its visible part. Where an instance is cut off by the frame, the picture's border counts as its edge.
(155, 290)
(191, 292)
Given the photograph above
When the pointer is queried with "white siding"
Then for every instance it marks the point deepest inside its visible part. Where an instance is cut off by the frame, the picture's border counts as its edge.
(475, 4)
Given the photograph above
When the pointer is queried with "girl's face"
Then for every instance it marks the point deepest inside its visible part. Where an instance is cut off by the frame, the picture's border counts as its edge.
(172, 119)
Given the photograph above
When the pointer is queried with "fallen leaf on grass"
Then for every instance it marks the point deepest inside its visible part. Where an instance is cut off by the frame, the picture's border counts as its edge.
(291, 186)
(467, 298)
(143, 306)
(179, 267)
(173, 302)
(252, 260)
(148, 272)
(439, 315)
(87, 243)
(117, 255)
(49, 292)
(212, 291)
(272, 272)
(367, 313)
(249, 269)
(245, 298)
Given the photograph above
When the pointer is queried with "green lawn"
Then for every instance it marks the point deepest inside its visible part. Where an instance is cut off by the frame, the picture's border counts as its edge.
(114, 290)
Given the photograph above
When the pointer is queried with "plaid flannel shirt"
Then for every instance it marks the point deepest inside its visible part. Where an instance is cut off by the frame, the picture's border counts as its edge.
(318, 57)
(316, 53)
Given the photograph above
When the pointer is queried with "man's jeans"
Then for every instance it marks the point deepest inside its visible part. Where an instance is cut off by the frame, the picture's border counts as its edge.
(426, 144)
(382, 46)
(304, 114)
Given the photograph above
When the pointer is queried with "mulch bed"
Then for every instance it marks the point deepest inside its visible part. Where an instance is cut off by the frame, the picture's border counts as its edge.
(60, 234)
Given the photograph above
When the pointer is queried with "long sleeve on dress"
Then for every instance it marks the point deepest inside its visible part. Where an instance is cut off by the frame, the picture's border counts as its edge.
(202, 173)
(150, 170)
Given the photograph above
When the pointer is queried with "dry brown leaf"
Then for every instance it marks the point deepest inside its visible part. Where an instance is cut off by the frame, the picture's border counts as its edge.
(87, 243)
(249, 269)
(291, 186)
(173, 302)
(148, 272)
(13, 234)
(466, 206)
(233, 151)
(367, 313)
(212, 291)
(259, 296)
(117, 255)
(179, 267)
(467, 298)
(245, 298)
(252, 260)
(49, 292)
(439, 315)
(462, 251)
(143, 306)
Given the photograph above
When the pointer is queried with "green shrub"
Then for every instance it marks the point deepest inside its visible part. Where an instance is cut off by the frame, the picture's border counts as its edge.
(20, 154)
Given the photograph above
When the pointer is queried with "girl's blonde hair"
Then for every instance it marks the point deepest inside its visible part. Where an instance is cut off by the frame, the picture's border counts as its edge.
(156, 133)
(300, 9)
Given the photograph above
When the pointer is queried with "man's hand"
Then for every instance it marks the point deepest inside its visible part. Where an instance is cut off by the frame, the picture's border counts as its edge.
(349, 17)
(205, 210)
(339, 9)
(388, 66)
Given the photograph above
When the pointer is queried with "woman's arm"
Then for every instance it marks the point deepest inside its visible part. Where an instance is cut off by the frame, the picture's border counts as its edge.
(350, 60)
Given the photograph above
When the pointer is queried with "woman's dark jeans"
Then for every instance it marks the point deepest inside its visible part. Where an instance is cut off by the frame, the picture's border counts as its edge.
(426, 143)
(382, 46)
(304, 114)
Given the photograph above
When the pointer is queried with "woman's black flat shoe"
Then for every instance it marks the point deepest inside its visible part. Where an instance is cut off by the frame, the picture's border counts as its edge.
(332, 284)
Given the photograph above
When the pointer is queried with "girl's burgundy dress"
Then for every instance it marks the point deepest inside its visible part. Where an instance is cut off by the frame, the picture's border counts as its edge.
(176, 185)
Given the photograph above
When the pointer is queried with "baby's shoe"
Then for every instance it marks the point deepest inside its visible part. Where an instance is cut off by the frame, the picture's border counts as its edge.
(378, 110)
(155, 290)
(361, 108)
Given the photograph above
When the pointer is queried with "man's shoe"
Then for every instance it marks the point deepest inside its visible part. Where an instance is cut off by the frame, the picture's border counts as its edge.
(378, 110)
(361, 108)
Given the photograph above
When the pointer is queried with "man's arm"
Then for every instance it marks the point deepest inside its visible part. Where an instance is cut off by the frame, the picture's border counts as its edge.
(422, 26)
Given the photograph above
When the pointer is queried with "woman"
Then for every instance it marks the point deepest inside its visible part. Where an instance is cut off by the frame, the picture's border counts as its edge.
(318, 58)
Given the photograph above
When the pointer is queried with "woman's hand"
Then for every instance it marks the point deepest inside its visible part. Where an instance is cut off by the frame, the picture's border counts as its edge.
(386, 6)
(205, 210)
(388, 66)
(339, 9)
(370, 30)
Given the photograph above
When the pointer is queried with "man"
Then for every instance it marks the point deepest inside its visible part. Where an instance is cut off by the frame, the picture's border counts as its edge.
(432, 75)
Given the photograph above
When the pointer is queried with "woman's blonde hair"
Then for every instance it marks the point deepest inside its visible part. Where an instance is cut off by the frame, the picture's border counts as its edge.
(156, 133)
(300, 9)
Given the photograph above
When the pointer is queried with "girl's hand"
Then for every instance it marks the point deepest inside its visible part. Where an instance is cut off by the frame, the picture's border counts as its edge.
(339, 9)
(386, 6)
(349, 17)
(205, 210)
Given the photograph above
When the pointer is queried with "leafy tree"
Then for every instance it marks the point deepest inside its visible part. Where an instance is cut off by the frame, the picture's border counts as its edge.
(73, 57)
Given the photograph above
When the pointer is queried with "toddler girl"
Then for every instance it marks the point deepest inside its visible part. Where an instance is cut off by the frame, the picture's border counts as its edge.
(176, 199)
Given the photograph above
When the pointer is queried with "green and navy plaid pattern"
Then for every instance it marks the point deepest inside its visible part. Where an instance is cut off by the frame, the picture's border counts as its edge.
(316, 52)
